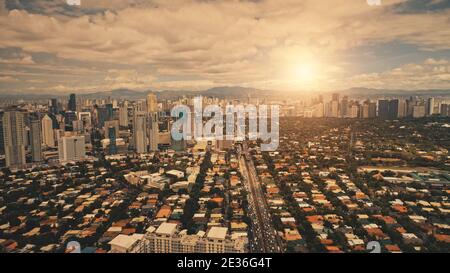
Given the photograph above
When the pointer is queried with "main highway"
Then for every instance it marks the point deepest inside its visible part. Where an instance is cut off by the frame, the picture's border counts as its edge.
(265, 238)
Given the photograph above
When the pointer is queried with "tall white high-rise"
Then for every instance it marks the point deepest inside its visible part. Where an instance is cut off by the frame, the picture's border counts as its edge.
(14, 138)
(71, 148)
(140, 132)
(48, 135)
(430, 106)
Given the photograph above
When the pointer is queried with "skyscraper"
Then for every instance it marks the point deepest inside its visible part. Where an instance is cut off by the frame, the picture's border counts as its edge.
(335, 97)
(123, 115)
(109, 111)
(372, 109)
(102, 114)
(152, 119)
(430, 106)
(344, 107)
(71, 148)
(112, 140)
(383, 109)
(72, 103)
(85, 120)
(445, 110)
(69, 118)
(410, 103)
(393, 111)
(419, 111)
(140, 132)
(334, 109)
(153, 131)
(2, 141)
(365, 110)
(36, 139)
(48, 135)
(353, 111)
(401, 108)
(53, 106)
(14, 137)
(152, 103)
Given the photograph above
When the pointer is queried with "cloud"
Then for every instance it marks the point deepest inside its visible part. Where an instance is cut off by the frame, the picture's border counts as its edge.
(18, 59)
(132, 79)
(213, 42)
(430, 74)
(8, 79)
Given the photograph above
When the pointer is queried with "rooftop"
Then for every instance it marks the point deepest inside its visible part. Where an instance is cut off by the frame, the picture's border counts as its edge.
(124, 241)
(217, 233)
(167, 229)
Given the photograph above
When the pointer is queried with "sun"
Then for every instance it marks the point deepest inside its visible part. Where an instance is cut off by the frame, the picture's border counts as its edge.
(302, 75)
(300, 70)
(305, 73)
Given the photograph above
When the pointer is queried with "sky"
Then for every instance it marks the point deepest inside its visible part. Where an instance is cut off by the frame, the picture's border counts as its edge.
(55, 47)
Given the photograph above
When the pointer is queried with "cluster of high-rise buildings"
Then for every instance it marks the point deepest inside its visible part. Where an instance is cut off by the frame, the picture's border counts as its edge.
(413, 107)
(25, 133)
(73, 129)
(69, 131)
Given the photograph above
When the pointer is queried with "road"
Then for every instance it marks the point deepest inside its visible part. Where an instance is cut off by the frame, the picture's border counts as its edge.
(265, 238)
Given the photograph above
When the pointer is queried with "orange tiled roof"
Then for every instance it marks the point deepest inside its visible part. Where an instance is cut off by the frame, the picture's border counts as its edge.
(442, 238)
(376, 232)
(333, 249)
(314, 218)
(217, 199)
(164, 212)
(400, 208)
(392, 248)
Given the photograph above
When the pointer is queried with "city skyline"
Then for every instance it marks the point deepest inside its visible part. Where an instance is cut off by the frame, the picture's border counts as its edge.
(53, 47)
(108, 176)
(250, 127)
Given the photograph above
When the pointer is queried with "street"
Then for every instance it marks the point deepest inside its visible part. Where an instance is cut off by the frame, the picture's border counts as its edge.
(265, 239)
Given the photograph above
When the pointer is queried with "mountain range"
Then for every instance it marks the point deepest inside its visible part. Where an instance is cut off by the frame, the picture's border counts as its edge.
(233, 92)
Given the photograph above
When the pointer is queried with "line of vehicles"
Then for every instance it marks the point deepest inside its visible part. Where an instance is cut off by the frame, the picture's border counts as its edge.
(265, 238)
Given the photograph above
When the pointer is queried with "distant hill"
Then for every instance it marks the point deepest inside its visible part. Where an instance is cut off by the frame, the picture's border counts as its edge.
(236, 91)
(117, 93)
(231, 92)
(370, 92)
(220, 92)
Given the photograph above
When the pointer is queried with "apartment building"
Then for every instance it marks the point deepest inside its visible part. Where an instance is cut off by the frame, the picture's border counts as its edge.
(168, 239)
